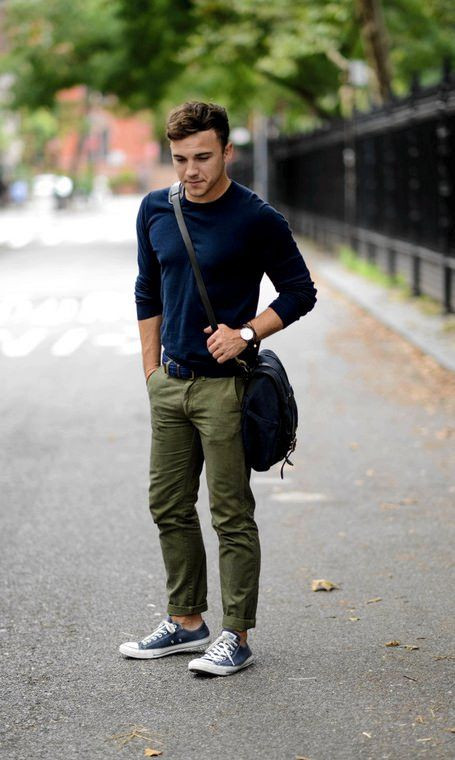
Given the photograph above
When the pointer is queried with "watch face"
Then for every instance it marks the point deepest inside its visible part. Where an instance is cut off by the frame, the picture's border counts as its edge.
(247, 333)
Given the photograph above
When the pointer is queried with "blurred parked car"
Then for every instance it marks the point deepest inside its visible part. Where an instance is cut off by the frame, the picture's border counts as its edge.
(56, 186)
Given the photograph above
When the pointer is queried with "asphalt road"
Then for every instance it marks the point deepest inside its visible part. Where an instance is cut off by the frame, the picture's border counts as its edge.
(368, 506)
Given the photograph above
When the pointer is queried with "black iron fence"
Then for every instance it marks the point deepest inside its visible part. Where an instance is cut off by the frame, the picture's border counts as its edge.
(383, 183)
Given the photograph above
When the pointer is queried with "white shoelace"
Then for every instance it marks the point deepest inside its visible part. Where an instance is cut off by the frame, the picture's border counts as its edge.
(164, 627)
(221, 648)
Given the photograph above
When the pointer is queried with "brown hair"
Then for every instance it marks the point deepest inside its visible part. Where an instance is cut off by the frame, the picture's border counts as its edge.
(192, 117)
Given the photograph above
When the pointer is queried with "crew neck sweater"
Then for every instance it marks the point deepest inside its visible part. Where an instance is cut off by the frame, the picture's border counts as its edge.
(237, 238)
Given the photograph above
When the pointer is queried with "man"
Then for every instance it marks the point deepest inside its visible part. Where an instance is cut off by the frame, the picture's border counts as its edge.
(195, 395)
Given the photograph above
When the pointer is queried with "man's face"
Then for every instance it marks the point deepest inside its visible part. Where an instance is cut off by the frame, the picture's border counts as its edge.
(199, 161)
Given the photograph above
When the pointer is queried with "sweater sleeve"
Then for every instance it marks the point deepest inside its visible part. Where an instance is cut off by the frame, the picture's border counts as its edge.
(147, 289)
(285, 266)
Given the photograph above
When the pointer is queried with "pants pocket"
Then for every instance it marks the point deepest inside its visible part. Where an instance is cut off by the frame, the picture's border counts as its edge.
(152, 378)
(239, 384)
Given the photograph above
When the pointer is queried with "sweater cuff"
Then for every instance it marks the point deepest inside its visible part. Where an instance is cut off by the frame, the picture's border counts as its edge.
(286, 308)
(145, 311)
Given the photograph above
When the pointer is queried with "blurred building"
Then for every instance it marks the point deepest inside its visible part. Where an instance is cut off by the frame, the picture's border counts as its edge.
(99, 139)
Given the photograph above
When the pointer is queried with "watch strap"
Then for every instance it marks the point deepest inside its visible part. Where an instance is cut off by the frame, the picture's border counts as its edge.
(255, 338)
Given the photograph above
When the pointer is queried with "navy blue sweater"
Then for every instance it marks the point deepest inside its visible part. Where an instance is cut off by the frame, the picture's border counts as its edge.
(237, 238)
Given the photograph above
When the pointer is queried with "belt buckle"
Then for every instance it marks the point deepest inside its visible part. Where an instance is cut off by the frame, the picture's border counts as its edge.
(177, 368)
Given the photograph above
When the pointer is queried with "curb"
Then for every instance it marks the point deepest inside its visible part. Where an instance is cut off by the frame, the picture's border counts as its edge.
(429, 333)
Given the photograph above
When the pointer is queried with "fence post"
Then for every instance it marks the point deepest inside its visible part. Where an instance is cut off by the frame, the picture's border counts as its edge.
(445, 189)
(350, 179)
(414, 186)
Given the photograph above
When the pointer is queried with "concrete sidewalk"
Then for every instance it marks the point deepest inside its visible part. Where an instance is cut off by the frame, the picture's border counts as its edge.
(432, 333)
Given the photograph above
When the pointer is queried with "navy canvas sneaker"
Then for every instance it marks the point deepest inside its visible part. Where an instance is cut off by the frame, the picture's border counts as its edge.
(168, 638)
(223, 657)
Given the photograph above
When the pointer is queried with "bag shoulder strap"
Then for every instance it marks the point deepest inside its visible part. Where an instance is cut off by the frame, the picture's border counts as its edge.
(175, 194)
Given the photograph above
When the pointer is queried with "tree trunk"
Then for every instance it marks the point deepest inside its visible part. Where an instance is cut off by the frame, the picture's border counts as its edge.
(376, 44)
(82, 134)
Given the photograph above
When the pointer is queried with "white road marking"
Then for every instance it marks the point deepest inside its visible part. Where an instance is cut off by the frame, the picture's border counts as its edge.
(299, 496)
(20, 239)
(45, 312)
(125, 343)
(28, 321)
(16, 310)
(69, 341)
(24, 344)
(109, 339)
(51, 237)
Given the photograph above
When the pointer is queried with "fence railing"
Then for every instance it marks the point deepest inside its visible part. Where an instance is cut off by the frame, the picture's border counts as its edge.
(381, 182)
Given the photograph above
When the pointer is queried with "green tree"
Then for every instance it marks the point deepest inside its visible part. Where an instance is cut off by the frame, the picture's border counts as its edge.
(113, 46)
(152, 34)
(302, 48)
(55, 45)
(280, 56)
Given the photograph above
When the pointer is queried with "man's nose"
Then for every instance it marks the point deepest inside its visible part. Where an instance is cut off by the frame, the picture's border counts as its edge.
(191, 169)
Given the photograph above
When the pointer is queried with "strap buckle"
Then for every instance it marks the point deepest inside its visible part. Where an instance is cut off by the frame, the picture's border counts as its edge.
(175, 189)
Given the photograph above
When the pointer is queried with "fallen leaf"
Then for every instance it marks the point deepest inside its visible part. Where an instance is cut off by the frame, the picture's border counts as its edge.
(135, 732)
(149, 752)
(375, 599)
(444, 433)
(320, 584)
(366, 734)
(411, 646)
(354, 619)
(392, 643)
(420, 719)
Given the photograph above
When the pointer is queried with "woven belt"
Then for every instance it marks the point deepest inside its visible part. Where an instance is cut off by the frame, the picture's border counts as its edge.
(173, 369)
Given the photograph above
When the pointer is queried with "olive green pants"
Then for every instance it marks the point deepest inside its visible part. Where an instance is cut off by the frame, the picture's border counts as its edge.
(195, 421)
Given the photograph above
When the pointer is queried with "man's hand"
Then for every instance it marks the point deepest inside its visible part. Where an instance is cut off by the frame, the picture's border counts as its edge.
(225, 343)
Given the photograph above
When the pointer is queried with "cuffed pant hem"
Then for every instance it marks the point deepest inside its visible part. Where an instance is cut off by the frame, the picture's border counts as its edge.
(173, 610)
(238, 624)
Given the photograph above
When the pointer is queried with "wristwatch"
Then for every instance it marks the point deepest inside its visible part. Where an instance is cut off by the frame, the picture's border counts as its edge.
(248, 333)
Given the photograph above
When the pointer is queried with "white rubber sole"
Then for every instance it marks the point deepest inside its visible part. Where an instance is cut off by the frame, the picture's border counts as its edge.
(202, 666)
(149, 654)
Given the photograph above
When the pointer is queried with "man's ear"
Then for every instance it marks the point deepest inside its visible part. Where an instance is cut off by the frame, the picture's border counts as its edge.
(228, 152)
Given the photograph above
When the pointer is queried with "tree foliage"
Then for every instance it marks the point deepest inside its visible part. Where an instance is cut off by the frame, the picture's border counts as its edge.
(125, 48)
(278, 56)
(57, 44)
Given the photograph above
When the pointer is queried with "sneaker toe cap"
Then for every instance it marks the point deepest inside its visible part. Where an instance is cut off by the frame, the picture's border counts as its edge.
(129, 646)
